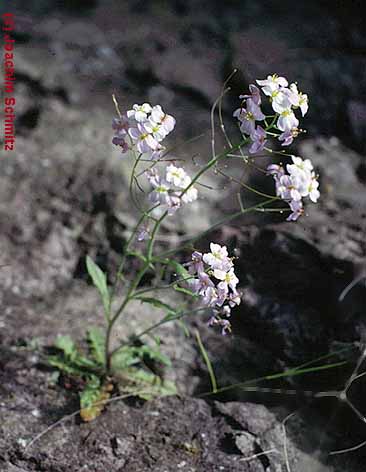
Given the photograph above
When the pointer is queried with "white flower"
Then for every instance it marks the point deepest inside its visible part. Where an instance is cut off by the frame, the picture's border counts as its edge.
(312, 189)
(298, 99)
(280, 100)
(273, 82)
(287, 120)
(218, 258)
(299, 164)
(303, 103)
(139, 112)
(229, 279)
(155, 129)
(158, 117)
(190, 195)
(177, 176)
(293, 95)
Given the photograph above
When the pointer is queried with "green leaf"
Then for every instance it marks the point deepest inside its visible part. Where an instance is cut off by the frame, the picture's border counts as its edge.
(179, 269)
(93, 398)
(100, 281)
(150, 385)
(124, 358)
(70, 360)
(156, 303)
(90, 393)
(66, 345)
(96, 340)
(185, 291)
(65, 365)
(184, 327)
(132, 355)
(154, 355)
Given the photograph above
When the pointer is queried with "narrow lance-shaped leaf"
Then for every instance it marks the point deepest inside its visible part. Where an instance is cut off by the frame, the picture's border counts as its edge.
(156, 303)
(100, 281)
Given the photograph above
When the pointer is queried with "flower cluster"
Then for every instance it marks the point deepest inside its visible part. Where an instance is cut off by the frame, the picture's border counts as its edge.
(299, 182)
(221, 294)
(284, 100)
(143, 128)
(172, 190)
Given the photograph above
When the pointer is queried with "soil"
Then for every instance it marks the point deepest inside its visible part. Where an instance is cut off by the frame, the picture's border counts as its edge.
(63, 194)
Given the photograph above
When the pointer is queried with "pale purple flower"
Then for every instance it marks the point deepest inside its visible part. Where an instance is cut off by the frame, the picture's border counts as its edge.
(276, 170)
(121, 125)
(288, 136)
(195, 266)
(160, 194)
(255, 94)
(288, 188)
(226, 327)
(156, 154)
(217, 321)
(296, 209)
(143, 140)
(174, 203)
(222, 297)
(209, 296)
(248, 116)
(204, 287)
(153, 177)
(143, 233)
(120, 141)
(234, 298)
(205, 282)
(259, 140)
(300, 182)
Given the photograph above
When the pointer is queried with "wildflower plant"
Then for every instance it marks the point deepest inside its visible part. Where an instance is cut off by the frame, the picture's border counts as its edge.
(206, 279)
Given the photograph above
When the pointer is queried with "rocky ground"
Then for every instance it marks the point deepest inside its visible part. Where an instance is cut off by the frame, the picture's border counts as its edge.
(62, 196)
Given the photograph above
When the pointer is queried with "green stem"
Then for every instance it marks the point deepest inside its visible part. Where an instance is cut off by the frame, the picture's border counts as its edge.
(211, 163)
(224, 220)
(129, 296)
(166, 319)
